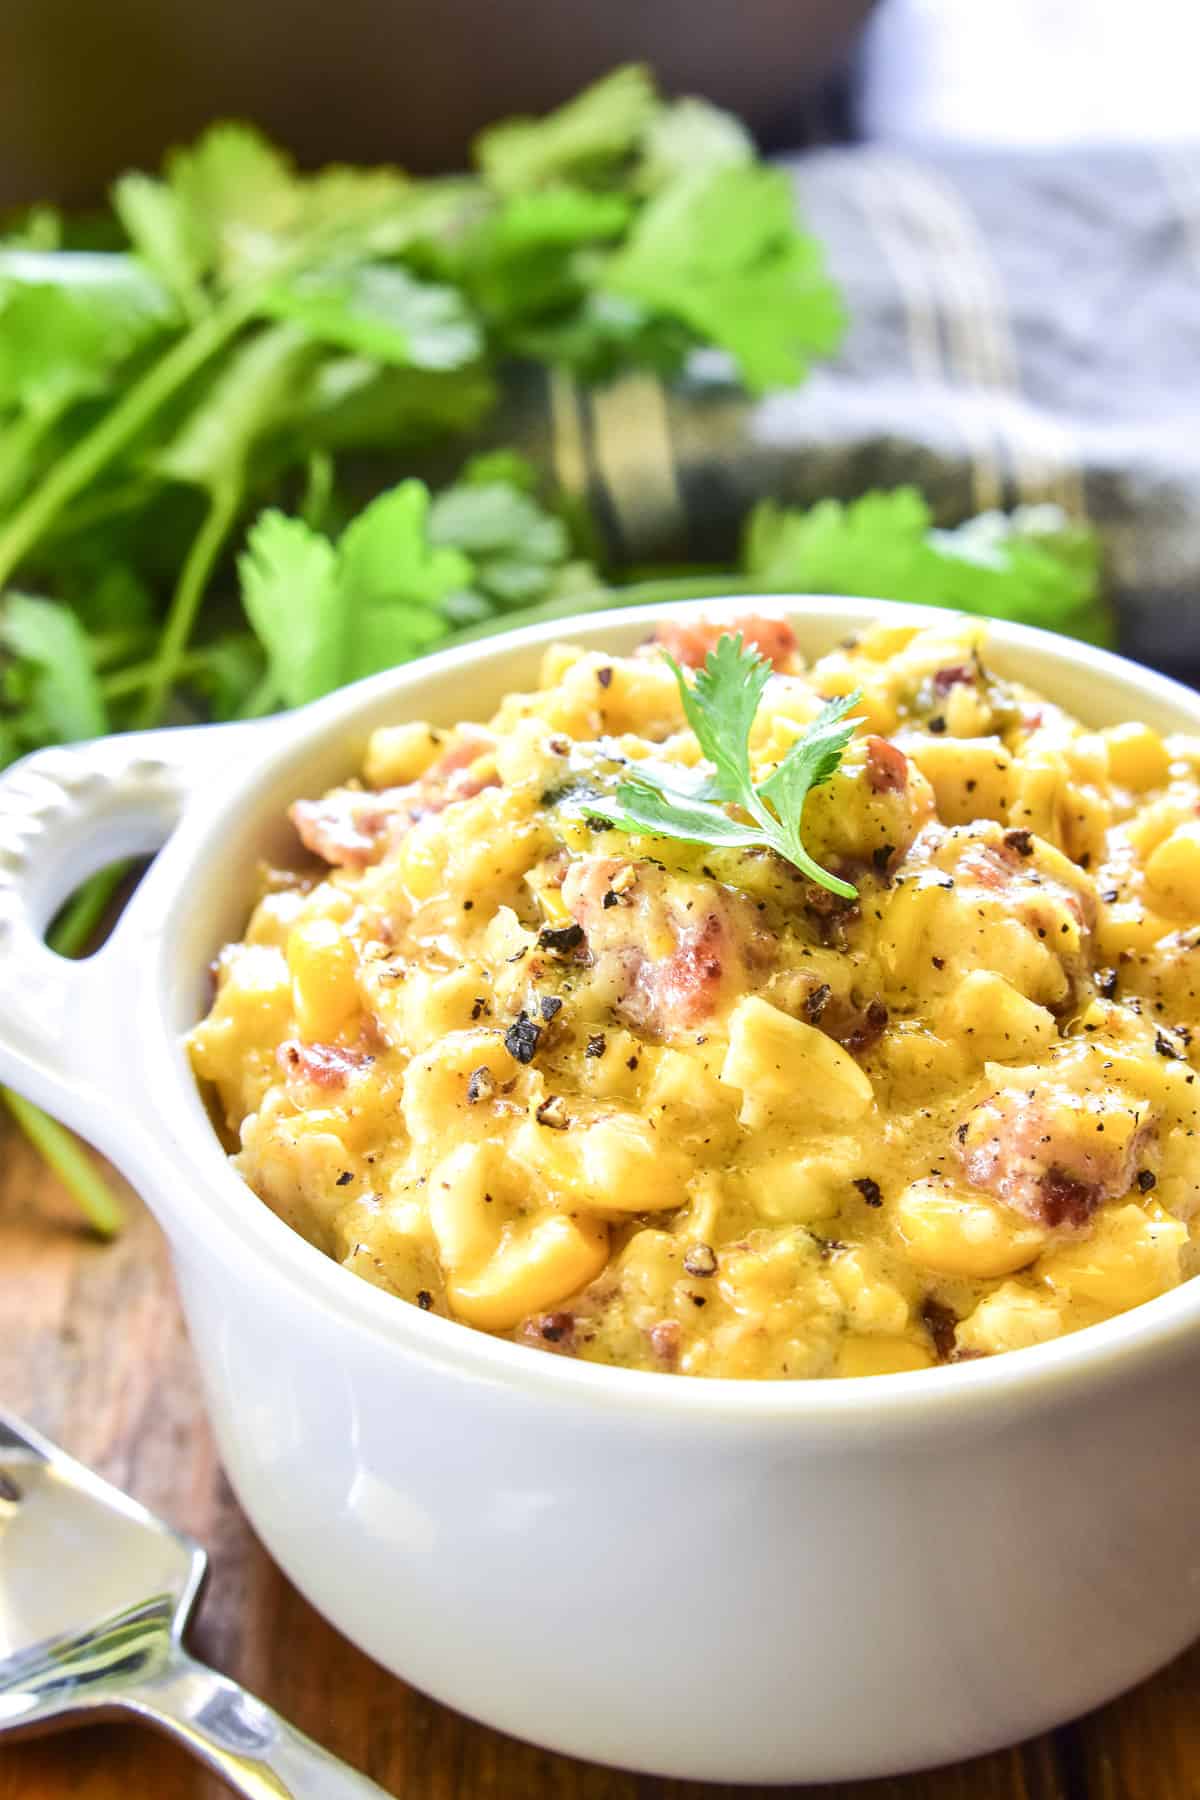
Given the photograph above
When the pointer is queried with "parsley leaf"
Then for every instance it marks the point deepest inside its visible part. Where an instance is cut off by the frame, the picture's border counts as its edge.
(516, 547)
(587, 139)
(327, 614)
(721, 252)
(1032, 565)
(69, 318)
(50, 693)
(380, 311)
(720, 706)
(689, 135)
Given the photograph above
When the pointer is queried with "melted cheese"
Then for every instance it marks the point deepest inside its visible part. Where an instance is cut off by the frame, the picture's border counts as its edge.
(677, 1108)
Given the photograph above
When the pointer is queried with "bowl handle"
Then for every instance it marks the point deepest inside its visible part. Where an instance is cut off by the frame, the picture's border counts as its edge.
(63, 814)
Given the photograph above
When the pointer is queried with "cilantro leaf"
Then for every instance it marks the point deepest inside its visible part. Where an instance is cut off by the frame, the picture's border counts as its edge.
(289, 577)
(328, 615)
(809, 762)
(1033, 565)
(642, 807)
(587, 139)
(50, 686)
(380, 311)
(212, 443)
(689, 135)
(520, 552)
(720, 706)
(67, 320)
(354, 403)
(232, 205)
(721, 252)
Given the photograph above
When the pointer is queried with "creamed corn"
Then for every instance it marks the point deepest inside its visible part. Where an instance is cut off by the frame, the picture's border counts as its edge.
(678, 1108)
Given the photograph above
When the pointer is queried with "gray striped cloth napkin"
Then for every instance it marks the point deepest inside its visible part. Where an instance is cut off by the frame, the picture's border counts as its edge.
(1025, 326)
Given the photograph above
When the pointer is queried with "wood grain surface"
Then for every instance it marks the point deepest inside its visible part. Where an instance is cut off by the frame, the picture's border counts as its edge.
(94, 1353)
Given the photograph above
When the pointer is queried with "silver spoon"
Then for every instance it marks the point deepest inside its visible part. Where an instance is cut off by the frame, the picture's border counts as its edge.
(95, 1594)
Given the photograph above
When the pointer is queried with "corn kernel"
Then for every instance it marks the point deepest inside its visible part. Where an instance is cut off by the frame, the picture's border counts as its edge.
(1174, 868)
(995, 1022)
(400, 753)
(958, 1233)
(881, 1356)
(321, 963)
(775, 1060)
(1128, 1258)
(1137, 756)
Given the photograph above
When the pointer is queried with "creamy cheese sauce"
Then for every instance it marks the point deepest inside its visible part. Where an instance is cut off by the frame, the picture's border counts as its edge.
(679, 1109)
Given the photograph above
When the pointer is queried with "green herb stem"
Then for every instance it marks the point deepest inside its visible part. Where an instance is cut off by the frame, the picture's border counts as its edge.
(18, 445)
(224, 505)
(136, 676)
(108, 647)
(71, 1163)
(263, 699)
(85, 460)
(80, 918)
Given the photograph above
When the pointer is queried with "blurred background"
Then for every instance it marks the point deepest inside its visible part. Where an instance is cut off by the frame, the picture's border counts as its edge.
(88, 89)
(1007, 194)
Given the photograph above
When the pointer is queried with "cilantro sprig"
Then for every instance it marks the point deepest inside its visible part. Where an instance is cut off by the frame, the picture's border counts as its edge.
(720, 706)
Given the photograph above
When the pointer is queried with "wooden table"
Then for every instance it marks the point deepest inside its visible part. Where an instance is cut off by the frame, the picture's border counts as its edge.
(93, 1352)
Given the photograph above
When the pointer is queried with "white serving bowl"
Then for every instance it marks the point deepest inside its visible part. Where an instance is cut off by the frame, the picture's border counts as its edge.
(730, 1580)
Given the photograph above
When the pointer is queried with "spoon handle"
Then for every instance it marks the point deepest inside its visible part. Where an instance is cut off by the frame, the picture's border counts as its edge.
(242, 1740)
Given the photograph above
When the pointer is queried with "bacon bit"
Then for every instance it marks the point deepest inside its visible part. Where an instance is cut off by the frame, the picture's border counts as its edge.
(1065, 1200)
(345, 828)
(325, 1065)
(887, 767)
(686, 987)
(1146, 1180)
(867, 1030)
(553, 1331)
(350, 827)
(881, 858)
(718, 938)
(870, 1190)
(549, 1005)
(689, 641)
(424, 1299)
(945, 679)
(604, 677)
(940, 1322)
(665, 1339)
(596, 1045)
(1019, 1149)
(1020, 840)
(700, 1260)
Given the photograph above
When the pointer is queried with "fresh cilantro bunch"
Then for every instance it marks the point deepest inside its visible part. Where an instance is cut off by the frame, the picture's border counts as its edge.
(662, 800)
(1033, 566)
(625, 230)
(247, 330)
